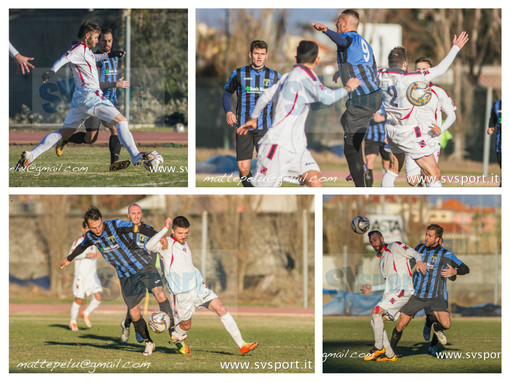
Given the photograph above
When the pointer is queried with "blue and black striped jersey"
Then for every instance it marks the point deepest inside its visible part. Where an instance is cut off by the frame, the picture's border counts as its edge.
(432, 284)
(118, 247)
(108, 73)
(375, 130)
(249, 83)
(495, 122)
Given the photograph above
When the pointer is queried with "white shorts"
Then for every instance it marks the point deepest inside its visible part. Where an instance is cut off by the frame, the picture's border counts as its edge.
(184, 304)
(86, 286)
(89, 103)
(393, 302)
(412, 168)
(275, 164)
(411, 140)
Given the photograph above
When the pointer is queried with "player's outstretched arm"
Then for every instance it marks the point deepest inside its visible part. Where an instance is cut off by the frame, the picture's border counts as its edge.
(64, 263)
(461, 40)
(352, 84)
(421, 267)
(168, 223)
(442, 67)
(320, 27)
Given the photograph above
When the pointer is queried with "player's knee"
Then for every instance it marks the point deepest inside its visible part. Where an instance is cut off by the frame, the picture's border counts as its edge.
(446, 323)
(99, 296)
(185, 325)
(78, 301)
(91, 139)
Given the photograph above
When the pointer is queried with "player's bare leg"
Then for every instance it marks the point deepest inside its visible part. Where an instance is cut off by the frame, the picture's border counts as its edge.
(244, 172)
(312, 178)
(396, 163)
(402, 323)
(443, 323)
(431, 170)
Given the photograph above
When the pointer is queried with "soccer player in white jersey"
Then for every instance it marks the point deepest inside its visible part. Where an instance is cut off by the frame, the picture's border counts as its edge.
(283, 153)
(86, 282)
(186, 285)
(398, 288)
(431, 114)
(88, 99)
(405, 133)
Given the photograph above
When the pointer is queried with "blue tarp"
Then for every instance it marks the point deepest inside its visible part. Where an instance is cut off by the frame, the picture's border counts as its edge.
(221, 164)
(41, 282)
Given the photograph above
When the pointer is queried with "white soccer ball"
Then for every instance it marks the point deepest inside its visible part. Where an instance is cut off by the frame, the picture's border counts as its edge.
(418, 93)
(360, 224)
(153, 161)
(159, 322)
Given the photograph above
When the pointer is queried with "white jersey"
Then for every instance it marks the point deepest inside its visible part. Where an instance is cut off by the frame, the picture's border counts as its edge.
(83, 66)
(178, 268)
(396, 269)
(293, 95)
(84, 267)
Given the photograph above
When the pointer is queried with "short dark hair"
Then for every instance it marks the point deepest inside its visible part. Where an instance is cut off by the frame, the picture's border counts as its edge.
(307, 52)
(93, 214)
(88, 27)
(423, 59)
(181, 222)
(374, 232)
(84, 224)
(106, 31)
(397, 57)
(258, 44)
(437, 229)
(350, 12)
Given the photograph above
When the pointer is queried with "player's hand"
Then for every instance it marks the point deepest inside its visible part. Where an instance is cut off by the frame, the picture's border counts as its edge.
(320, 27)
(421, 267)
(23, 63)
(379, 117)
(461, 40)
(336, 76)
(243, 130)
(64, 263)
(168, 223)
(231, 118)
(116, 53)
(164, 243)
(435, 130)
(47, 75)
(490, 130)
(352, 84)
(121, 83)
(448, 272)
(366, 289)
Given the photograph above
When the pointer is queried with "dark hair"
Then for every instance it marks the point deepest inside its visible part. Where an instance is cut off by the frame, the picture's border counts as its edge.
(258, 44)
(84, 224)
(307, 52)
(181, 222)
(397, 57)
(423, 59)
(88, 27)
(374, 232)
(437, 229)
(350, 12)
(93, 214)
(106, 31)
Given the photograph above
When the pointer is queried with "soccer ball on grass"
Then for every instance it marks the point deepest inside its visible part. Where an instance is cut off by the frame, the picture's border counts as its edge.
(153, 161)
(159, 322)
(360, 224)
(418, 93)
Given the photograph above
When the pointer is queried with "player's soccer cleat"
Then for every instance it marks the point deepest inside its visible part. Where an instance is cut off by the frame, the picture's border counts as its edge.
(149, 348)
(88, 323)
(23, 162)
(365, 171)
(374, 353)
(182, 348)
(73, 326)
(426, 332)
(385, 358)
(119, 165)
(248, 347)
(59, 148)
(137, 161)
(433, 351)
(124, 337)
(440, 335)
(176, 338)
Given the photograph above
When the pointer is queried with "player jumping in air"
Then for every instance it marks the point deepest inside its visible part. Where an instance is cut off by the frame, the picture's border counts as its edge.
(186, 285)
(283, 153)
(88, 99)
(398, 288)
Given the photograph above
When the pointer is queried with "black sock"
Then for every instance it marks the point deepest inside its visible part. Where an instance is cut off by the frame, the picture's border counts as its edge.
(434, 341)
(114, 146)
(165, 307)
(430, 320)
(395, 337)
(141, 328)
(128, 320)
(438, 326)
(245, 180)
(355, 161)
(369, 178)
(77, 138)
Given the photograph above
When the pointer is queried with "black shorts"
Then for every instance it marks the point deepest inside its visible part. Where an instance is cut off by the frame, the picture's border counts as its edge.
(415, 304)
(373, 147)
(133, 288)
(358, 113)
(92, 124)
(246, 143)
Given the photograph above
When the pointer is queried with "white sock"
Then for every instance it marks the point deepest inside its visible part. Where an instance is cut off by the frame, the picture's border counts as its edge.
(386, 343)
(388, 179)
(378, 326)
(178, 331)
(126, 138)
(47, 143)
(231, 326)
(92, 306)
(75, 308)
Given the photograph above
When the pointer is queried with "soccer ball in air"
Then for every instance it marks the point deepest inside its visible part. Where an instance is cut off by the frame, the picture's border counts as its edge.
(418, 93)
(159, 322)
(360, 224)
(153, 161)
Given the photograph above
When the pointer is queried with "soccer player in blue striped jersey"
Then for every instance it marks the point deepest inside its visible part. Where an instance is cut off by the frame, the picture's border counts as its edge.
(375, 141)
(249, 82)
(355, 59)
(430, 289)
(134, 265)
(495, 125)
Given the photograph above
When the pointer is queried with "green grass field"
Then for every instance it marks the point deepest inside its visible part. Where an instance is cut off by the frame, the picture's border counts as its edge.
(286, 344)
(88, 167)
(348, 339)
